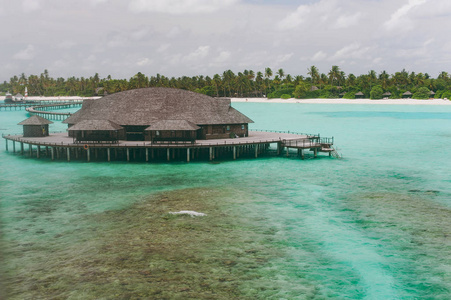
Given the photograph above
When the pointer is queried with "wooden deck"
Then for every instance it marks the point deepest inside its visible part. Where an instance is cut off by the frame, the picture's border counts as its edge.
(257, 143)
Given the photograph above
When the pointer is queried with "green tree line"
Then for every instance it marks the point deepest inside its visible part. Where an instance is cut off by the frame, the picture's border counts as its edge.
(265, 83)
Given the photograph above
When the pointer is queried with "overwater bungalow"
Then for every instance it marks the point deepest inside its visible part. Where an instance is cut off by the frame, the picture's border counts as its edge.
(35, 126)
(156, 114)
(160, 124)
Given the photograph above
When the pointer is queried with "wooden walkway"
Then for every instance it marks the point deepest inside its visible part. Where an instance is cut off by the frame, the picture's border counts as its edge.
(60, 145)
(20, 106)
(42, 110)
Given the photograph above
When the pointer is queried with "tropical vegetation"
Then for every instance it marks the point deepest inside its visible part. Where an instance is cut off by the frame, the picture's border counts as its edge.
(266, 83)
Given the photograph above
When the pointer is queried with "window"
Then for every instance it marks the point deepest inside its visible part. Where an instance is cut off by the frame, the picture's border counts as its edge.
(228, 128)
(242, 127)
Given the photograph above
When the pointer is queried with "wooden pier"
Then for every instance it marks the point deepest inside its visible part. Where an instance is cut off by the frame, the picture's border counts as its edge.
(42, 110)
(21, 106)
(59, 146)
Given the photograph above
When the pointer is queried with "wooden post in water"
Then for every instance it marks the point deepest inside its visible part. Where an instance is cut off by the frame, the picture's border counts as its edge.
(147, 154)
(288, 151)
(187, 155)
(315, 152)
(234, 152)
(108, 154)
(88, 154)
(21, 148)
(211, 153)
(168, 154)
(30, 148)
(128, 154)
(38, 153)
(302, 153)
(52, 149)
(68, 153)
(6, 144)
(14, 146)
(256, 150)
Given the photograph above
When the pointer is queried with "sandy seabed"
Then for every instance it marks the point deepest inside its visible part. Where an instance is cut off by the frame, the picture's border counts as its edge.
(348, 101)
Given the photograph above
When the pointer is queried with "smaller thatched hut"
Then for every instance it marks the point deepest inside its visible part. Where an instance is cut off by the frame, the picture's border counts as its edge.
(313, 88)
(35, 126)
(386, 95)
(359, 95)
(172, 130)
(96, 131)
(18, 97)
(431, 94)
(407, 94)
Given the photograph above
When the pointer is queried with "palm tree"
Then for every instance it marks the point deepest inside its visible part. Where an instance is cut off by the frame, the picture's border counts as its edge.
(259, 82)
(334, 74)
(268, 73)
(217, 82)
(384, 79)
(314, 74)
(281, 74)
(372, 78)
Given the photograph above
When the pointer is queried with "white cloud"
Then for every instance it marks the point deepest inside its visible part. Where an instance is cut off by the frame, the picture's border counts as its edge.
(400, 20)
(319, 56)
(197, 54)
(346, 21)
(353, 51)
(221, 59)
(144, 62)
(66, 44)
(26, 54)
(163, 47)
(310, 14)
(283, 58)
(178, 7)
(30, 5)
(175, 32)
(139, 34)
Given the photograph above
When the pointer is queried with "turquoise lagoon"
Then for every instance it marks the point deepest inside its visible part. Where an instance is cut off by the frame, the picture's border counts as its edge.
(373, 225)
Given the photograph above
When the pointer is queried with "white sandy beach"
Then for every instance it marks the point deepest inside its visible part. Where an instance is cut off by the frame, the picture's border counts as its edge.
(348, 101)
(291, 100)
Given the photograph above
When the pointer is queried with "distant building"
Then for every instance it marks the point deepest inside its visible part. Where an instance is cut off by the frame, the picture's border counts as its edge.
(156, 114)
(407, 94)
(359, 95)
(35, 126)
(18, 97)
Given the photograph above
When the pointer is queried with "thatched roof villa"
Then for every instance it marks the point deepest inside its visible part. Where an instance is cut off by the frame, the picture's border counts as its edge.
(156, 114)
(35, 126)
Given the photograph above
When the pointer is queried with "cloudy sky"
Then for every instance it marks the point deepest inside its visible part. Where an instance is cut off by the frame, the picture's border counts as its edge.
(193, 37)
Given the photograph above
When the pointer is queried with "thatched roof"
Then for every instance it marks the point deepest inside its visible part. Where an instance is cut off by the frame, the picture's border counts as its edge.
(35, 120)
(431, 93)
(313, 88)
(407, 93)
(149, 105)
(359, 94)
(386, 94)
(173, 125)
(104, 125)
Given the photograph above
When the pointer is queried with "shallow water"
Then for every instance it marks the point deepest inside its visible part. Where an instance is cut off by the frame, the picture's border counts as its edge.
(374, 225)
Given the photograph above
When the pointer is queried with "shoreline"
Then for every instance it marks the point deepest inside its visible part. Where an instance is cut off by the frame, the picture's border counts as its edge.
(347, 101)
(291, 100)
